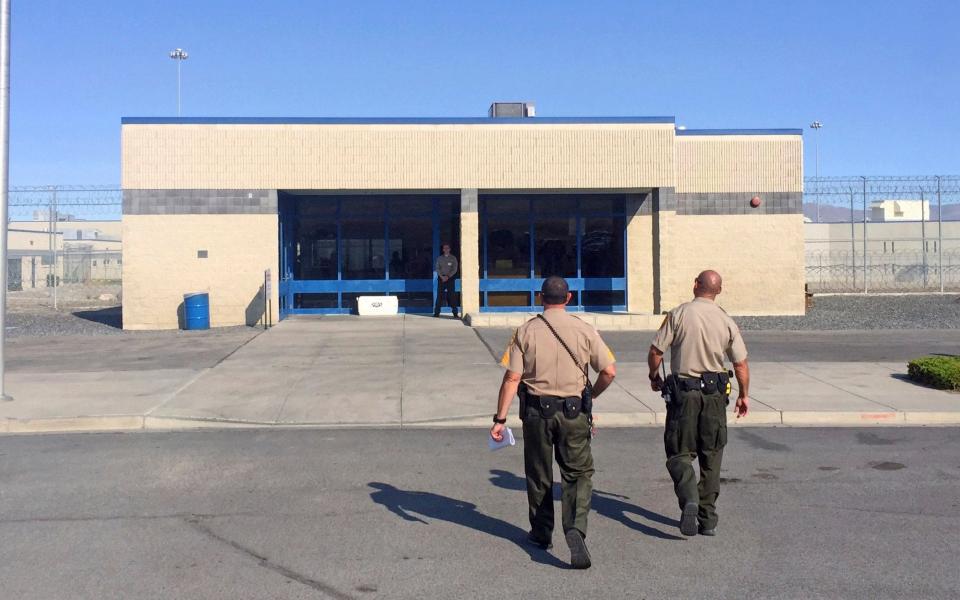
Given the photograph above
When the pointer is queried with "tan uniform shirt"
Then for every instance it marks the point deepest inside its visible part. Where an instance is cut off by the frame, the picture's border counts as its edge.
(546, 367)
(698, 334)
(447, 265)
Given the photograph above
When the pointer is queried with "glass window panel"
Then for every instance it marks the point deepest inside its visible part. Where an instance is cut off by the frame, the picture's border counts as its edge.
(554, 203)
(410, 205)
(508, 248)
(415, 300)
(315, 301)
(411, 248)
(506, 204)
(607, 203)
(448, 204)
(604, 298)
(556, 247)
(449, 233)
(317, 206)
(315, 249)
(362, 244)
(508, 299)
(371, 206)
(601, 247)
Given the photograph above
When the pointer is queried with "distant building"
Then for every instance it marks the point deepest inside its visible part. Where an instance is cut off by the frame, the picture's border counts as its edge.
(899, 210)
(76, 252)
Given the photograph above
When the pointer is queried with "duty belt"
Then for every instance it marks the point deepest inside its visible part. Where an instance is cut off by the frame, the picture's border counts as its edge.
(547, 406)
(708, 383)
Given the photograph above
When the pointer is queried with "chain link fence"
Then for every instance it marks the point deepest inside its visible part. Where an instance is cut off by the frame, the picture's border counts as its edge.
(882, 234)
(64, 246)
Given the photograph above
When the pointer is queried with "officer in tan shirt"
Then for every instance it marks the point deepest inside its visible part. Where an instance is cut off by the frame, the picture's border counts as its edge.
(551, 383)
(698, 335)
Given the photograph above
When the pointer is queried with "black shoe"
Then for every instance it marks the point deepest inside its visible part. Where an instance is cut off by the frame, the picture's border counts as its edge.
(538, 542)
(707, 532)
(456, 316)
(688, 519)
(436, 315)
(579, 555)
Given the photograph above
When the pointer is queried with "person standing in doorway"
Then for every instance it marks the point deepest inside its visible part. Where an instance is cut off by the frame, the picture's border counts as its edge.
(446, 268)
(698, 335)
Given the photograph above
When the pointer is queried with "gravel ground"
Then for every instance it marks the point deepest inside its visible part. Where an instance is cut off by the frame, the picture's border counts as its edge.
(828, 313)
(38, 321)
(868, 312)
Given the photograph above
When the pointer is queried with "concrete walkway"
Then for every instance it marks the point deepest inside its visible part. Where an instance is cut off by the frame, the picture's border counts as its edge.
(408, 371)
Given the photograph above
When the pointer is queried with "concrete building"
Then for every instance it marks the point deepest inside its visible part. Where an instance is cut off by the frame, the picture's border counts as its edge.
(76, 252)
(628, 209)
(900, 210)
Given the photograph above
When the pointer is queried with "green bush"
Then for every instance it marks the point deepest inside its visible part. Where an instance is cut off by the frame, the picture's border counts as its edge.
(941, 372)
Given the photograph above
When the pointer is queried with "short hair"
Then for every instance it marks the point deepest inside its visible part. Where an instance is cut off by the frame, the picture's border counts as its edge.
(555, 290)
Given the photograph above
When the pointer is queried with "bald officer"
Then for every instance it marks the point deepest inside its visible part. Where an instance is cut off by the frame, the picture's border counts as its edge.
(698, 334)
(551, 382)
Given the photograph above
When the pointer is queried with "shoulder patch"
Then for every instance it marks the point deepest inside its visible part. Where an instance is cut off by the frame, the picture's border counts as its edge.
(505, 359)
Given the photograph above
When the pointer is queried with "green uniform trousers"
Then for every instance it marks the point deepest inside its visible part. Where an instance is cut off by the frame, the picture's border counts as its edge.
(697, 429)
(569, 441)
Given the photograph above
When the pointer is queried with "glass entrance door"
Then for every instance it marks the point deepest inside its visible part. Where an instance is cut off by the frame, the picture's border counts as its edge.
(335, 248)
(529, 237)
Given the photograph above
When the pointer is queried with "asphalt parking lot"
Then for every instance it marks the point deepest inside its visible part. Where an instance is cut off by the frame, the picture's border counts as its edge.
(805, 513)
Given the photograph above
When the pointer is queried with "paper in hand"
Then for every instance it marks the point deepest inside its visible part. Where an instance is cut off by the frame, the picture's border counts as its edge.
(508, 440)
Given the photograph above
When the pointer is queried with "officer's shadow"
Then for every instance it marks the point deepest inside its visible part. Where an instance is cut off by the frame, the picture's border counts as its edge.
(411, 505)
(604, 503)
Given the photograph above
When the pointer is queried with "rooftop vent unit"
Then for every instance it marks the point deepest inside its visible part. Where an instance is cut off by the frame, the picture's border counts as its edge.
(515, 110)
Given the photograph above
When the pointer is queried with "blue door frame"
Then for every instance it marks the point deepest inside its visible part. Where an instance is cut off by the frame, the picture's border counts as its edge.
(532, 284)
(289, 286)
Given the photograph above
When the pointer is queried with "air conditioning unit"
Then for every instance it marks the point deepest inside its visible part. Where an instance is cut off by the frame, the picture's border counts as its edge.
(515, 110)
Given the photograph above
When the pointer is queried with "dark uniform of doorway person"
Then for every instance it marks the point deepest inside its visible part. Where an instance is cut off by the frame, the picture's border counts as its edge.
(698, 335)
(551, 388)
(446, 268)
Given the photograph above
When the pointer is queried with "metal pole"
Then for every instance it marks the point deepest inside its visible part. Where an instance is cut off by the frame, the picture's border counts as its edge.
(817, 144)
(50, 241)
(853, 243)
(816, 126)
(923, 238)
(939, 234)
(866, 275)
(56, 226)
(178, 86)
(4, 179)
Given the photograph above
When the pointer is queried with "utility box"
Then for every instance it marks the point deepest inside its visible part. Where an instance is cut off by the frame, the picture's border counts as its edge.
(516, 110)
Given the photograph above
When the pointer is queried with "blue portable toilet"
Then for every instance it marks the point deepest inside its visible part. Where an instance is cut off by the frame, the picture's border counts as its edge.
(196, 310)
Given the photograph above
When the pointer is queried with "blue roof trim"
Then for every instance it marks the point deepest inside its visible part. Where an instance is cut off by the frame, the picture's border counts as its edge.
(385, 121)
(740, 132)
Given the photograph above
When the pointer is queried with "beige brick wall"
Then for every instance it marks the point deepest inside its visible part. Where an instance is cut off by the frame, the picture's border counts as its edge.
(160, 264)
(469, 253)
(739, 163)
(639, 259)
(759, 256)
(332, 157)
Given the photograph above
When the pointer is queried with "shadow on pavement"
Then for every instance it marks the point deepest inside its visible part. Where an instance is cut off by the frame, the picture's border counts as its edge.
(409, 504)
(111, 317)
(607, 504)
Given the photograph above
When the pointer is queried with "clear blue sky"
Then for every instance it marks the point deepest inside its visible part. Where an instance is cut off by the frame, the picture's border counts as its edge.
(884, 77)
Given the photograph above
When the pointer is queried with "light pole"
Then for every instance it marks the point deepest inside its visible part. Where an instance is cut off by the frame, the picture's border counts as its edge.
(817, 125)
(4, 177)
(178, 55)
